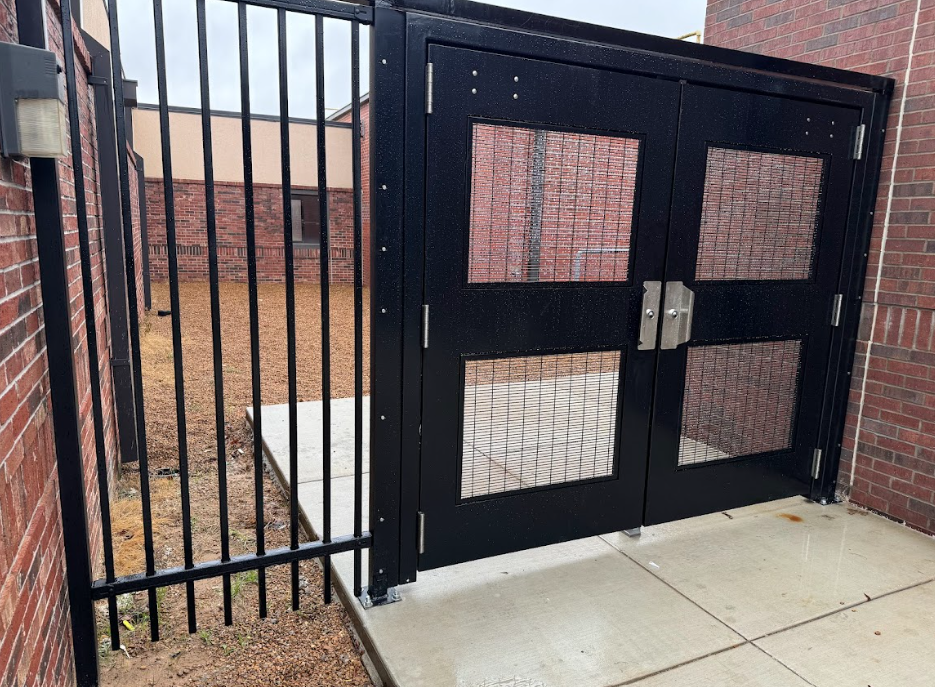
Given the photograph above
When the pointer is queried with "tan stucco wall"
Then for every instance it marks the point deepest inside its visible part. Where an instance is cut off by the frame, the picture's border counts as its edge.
(94, 21)
(226, 134)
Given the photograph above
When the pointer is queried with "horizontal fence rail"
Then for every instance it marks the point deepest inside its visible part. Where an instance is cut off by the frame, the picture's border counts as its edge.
(152, 578)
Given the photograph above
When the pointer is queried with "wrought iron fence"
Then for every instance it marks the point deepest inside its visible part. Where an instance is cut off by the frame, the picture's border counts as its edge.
(84, 595)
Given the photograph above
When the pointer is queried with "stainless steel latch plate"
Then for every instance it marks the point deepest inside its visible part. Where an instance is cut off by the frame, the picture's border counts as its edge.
(649, 320)
(677, 315)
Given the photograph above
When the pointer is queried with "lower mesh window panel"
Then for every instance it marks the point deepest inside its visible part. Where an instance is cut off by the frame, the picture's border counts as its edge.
(740, 399)
(538, 420)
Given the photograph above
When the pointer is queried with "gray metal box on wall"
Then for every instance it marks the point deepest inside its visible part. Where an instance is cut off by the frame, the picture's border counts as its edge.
(33, 120)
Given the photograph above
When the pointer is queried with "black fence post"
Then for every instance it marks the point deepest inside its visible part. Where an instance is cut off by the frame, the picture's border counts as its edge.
(66, 422)
(117, 312)
(388, 76)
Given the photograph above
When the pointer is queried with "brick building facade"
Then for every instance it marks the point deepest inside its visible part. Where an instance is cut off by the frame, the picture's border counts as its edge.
(35, 633)
(889, 448)
(190, 205)
(192, 240)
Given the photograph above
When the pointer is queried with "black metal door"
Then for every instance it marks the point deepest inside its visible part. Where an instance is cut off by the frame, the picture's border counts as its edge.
(547, 195)
(758, 223)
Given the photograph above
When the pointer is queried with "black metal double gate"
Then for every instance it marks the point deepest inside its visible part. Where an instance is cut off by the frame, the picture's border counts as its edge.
(622, 275)
(616, 281)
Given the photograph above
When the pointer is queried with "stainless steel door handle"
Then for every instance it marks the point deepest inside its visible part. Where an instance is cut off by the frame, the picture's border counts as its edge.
(677, 322)
(652, 293)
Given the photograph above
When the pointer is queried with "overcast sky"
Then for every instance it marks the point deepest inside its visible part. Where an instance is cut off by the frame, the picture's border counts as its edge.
(662, 17)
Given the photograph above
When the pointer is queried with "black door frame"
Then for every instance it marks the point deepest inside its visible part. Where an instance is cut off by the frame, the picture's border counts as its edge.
(403, 30)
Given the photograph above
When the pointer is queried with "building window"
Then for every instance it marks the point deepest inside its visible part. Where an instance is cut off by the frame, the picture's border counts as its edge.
(306, 218)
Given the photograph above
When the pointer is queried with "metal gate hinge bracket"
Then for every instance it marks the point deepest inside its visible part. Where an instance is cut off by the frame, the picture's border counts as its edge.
(421, 532)
(860, 133)
(367, 601)
(816, 463)
(425, 326)
(429, 87)
(836, 309)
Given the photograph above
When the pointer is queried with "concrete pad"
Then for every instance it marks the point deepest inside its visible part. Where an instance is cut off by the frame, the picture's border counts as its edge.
(311, 501)
(766, 567)
(577, 613)
(885, 643)
(276, 437)
(744, 666)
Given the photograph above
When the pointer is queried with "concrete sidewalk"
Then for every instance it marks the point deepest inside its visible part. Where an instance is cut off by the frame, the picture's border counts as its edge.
(784, 594)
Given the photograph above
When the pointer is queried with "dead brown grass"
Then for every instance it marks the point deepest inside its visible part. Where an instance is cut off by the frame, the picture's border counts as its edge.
(312, 647)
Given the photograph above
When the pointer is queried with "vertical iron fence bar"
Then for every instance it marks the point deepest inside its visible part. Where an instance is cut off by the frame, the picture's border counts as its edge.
(246, 124)
(286, 163)
(213, 278)
(325, 298)
(90, 319)
(358, 299)
(168, 187)
(132, 304)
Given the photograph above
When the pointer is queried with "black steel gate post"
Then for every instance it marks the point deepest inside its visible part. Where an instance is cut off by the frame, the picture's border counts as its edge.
(852, 280)
(108, 147)
(388, 76)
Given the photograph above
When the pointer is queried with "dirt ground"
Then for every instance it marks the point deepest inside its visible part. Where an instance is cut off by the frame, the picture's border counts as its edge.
(311, 647)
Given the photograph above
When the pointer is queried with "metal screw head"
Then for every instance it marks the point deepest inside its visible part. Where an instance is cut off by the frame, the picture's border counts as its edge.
(381, 519)
(384, 60)
(673, 313)
(474, 91)
(474, 73)
(381, 571)
(382, 309)
(516, 96)
(383, 417)
(383, 187)
(650, 314)
(383, 248)
(516, 79)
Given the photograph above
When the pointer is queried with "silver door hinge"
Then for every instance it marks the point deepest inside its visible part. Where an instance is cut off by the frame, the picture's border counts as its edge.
(421, 532)
(425, 326)
(816, 463)
(429, 87)
(860, 134)
(836, 309)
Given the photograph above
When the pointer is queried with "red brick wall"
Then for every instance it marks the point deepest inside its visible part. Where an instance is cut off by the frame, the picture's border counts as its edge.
(137, 233)
(364, 182)
(35, 646)
(191, 234)
(889, 458)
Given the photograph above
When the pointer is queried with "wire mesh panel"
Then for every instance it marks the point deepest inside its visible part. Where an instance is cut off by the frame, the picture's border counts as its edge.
(538, 420)
(739, 399)
(550, 206)
(759, 215)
